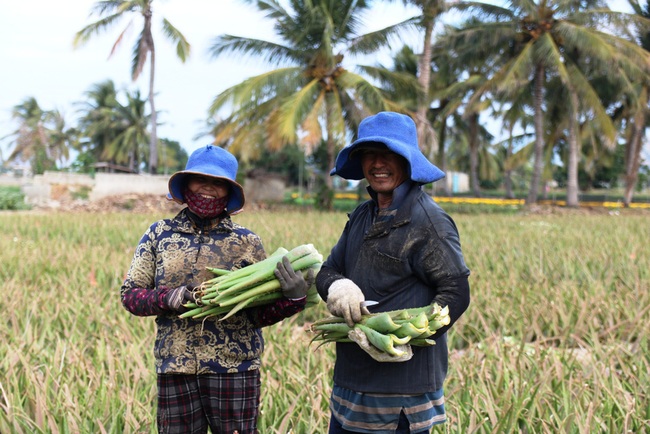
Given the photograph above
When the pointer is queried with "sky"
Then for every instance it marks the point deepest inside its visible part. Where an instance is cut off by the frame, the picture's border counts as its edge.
(38, 59)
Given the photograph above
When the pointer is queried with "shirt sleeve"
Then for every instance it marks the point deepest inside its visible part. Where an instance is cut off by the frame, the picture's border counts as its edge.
(270, 314)
(442, 266)
(138, 293)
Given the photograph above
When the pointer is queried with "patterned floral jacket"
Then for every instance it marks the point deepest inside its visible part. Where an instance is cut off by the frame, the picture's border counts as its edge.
(176, 252)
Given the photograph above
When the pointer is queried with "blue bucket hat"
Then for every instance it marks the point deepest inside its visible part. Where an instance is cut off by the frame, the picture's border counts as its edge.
(214, 162)
(398, 133)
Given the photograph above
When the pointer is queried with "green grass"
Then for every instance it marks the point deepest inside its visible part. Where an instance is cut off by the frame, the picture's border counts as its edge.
(555, 339)
(11, 198)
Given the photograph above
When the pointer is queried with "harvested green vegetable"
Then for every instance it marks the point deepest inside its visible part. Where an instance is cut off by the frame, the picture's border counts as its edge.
(389, 332)
(255, 285)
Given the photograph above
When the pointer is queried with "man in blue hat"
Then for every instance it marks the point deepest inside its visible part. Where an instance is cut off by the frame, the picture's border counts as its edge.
(401, 250)
(207, 370)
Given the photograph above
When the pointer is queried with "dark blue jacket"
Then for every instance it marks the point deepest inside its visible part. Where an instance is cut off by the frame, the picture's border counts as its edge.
(411, 260)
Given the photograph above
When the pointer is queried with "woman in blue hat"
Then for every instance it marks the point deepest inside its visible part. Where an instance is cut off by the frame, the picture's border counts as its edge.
(207, 370)
(401, 250)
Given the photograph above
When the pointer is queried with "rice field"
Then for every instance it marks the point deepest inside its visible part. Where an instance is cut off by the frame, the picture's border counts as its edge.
(555, 339)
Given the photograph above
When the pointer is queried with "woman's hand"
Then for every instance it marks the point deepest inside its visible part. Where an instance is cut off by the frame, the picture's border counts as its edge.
(293, 285)
(177, 297)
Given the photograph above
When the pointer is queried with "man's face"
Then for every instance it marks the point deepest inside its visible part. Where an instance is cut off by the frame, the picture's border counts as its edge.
(383, 169)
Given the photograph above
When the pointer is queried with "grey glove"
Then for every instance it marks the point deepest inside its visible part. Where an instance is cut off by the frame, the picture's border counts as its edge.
(294, 285)
(177, 297)
(344, 299)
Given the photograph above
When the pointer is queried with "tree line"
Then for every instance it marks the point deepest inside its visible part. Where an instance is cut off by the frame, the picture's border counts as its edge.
(565, 82)
(112, 128)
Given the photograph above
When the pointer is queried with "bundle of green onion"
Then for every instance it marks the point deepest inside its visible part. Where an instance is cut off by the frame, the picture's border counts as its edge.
(389, 332)
(254, 285)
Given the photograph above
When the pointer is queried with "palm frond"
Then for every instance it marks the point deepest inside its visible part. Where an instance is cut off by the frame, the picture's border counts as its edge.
(183, 47)
(590, 99)
(400, 83)
(521, 157)
(84, 35)
(485, 10)
(103, 6)
(270, 52)
(373, 41)
(294, 109)
(516, 72)
(311, 130)
(257, 89)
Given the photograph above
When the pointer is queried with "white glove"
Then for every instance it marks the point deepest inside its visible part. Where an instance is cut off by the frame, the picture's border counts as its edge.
(344, 299)
(361, 339)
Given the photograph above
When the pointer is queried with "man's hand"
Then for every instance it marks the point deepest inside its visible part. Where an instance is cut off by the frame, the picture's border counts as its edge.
(293, 285)
(344, 299)
(177, 297)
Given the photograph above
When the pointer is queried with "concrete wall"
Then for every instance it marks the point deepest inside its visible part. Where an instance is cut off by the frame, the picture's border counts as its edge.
(11, 180)
(264, 189)
(111, 184)
(51, 188)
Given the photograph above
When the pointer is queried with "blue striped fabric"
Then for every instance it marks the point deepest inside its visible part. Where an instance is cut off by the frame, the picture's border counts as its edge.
(379, 413)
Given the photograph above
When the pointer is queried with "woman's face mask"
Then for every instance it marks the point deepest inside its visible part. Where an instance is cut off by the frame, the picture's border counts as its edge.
(205, 196)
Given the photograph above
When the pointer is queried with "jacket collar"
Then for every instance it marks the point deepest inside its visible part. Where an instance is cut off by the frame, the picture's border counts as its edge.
(398, 194)
(185, 222)
(403, 214)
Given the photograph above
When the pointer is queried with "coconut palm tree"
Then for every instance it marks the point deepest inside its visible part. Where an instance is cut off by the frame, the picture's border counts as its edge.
(450, 94)
(406, 90)
(43, 139)
(541, 39)
(97, 120)
(311, 91)
(431, 11)
(31, 140)
(640, 112)
(443, 88)
(174, 157)
(637, 121)
(113, 11)
(129, 146)
(62, 138)
(512, 116)
(31, 134)
(462, 93)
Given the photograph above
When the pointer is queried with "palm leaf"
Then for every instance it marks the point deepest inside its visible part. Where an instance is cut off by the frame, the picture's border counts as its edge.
(183, 48)
(294, 108)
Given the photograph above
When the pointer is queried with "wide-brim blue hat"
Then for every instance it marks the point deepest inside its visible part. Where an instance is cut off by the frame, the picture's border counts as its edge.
(399, 134)
(214, 162)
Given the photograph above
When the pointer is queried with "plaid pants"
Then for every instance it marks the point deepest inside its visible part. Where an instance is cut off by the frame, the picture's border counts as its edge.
(227, 403)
